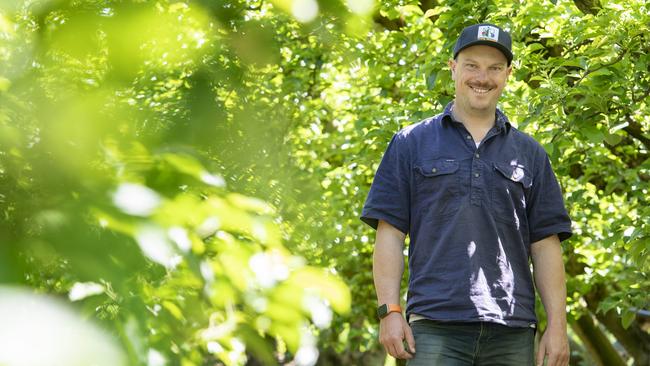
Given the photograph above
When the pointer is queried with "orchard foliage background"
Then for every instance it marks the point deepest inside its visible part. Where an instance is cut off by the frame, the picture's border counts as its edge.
(188, 175)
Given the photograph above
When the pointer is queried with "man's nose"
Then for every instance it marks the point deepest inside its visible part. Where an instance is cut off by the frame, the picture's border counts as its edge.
(481, 75)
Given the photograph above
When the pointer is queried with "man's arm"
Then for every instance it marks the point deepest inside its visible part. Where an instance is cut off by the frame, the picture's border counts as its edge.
(387, 269)
(550, 282)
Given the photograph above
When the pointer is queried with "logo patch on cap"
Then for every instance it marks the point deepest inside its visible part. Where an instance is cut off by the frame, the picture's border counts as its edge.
(488, 33)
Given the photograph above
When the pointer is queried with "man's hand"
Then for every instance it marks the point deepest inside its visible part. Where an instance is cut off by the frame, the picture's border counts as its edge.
(393, 330)
(554, 345)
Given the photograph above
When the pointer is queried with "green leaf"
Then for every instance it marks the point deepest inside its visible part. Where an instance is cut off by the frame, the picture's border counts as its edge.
(593, 134)
(613, 138)
(431, 80)
(628, 318)
(550, 149)
(4, 84)
(256, 344)
(607, 305)
(184, 164)
(410, 9)
(325, 285)
(390, 13)
(638, 252)
(534, 47)
(173, 309)
(435, 11)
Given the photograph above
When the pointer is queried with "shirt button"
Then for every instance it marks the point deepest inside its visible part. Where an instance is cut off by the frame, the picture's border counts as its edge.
(477, 175)
(477, 155)
(468, 137)
(434, 170)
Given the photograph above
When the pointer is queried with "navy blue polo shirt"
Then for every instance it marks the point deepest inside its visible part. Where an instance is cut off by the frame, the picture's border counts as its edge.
(471, 214)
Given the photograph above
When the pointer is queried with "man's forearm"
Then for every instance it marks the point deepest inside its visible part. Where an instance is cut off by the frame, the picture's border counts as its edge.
(387, 270)
(550, 280)
(388, 263)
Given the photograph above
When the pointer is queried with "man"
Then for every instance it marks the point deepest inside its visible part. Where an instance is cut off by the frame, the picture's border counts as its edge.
(478, 199)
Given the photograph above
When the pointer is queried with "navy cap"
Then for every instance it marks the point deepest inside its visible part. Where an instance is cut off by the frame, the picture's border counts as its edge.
(485, 34)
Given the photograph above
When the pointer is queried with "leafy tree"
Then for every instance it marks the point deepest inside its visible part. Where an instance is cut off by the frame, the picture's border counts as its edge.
(135, 136)
(115, 196)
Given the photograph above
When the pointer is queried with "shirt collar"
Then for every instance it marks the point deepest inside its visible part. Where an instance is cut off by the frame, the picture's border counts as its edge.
(501, 120)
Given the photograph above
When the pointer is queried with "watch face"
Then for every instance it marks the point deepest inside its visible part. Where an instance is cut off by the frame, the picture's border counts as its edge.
(382, 311)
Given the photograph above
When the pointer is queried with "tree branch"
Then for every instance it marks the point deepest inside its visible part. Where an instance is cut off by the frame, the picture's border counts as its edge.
(426, 5)
(613, 62)
(588, 6)
(645, 94)
(635, 130)
(390, 24)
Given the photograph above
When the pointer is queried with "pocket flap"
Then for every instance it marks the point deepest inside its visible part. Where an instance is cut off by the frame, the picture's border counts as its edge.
(437, 167)
(515, 173)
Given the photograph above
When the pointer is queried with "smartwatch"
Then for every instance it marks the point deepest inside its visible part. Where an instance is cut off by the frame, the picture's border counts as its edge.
(386, 309)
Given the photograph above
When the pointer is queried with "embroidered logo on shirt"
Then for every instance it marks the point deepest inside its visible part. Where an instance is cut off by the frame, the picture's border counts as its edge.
(517, 174)
(517, 171)
(488, 33)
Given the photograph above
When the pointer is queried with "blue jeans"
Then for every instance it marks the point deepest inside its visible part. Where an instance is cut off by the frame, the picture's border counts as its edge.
(456, 344)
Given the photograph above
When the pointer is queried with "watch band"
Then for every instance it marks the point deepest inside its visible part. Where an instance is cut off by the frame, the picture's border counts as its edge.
(385, 309)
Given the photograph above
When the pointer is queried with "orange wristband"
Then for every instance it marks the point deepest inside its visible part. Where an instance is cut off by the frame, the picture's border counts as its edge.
(385, 309)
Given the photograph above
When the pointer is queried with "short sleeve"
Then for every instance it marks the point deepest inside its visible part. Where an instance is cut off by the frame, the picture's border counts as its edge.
(547, 214)
(389, 196)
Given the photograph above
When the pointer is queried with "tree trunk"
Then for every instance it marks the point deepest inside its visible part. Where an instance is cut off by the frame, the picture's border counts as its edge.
(595, 341)
(635, 340)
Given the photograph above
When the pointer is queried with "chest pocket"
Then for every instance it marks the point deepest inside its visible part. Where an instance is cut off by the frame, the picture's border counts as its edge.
(437, 187)
(511, 184)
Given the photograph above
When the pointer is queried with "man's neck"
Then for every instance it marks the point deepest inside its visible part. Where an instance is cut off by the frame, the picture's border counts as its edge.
(477, 125)
(474, 120)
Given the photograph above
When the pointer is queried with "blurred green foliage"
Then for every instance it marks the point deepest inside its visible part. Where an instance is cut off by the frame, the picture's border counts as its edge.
(191, 173)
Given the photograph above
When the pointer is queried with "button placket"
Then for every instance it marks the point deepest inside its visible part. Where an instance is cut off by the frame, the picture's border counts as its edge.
(470, 141)
(475, 185)
(476, 169)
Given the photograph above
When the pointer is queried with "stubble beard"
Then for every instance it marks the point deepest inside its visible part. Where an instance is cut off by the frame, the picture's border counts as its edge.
(478, 99)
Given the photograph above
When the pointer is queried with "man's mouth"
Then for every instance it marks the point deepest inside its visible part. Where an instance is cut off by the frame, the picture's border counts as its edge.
(480, 90)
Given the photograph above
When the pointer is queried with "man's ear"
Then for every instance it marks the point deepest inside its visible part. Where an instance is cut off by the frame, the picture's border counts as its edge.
(452, 66)
(508, 71)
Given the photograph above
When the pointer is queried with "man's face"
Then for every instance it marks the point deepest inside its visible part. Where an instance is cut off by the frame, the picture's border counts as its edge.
(480, 73)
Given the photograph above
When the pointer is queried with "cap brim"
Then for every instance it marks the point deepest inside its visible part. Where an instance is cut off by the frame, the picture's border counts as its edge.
(496, 45)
